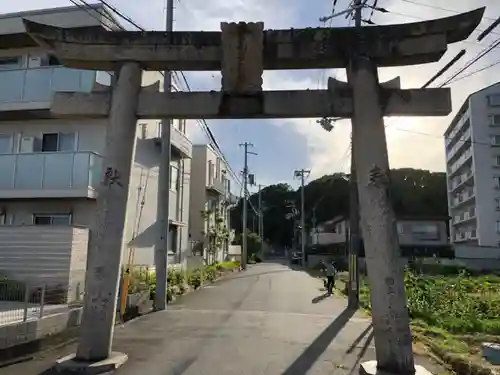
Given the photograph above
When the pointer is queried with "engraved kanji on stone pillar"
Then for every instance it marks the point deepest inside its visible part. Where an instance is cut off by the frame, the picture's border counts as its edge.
(242, 62)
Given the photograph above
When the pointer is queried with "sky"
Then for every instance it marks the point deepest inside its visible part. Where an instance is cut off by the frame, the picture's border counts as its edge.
(285, 145)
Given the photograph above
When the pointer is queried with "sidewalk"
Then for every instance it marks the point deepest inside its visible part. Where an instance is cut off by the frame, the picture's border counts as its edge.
(268, 320)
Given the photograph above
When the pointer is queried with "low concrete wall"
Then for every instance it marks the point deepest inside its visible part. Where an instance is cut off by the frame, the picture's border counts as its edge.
(22, 333)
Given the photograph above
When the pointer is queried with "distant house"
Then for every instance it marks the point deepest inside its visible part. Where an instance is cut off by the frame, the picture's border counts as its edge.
(412, 231)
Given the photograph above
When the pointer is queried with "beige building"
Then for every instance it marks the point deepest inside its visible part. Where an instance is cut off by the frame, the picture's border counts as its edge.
(209, 229)
(51, 167)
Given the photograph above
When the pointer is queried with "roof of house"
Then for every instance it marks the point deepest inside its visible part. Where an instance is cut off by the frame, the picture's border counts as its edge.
(13, 34)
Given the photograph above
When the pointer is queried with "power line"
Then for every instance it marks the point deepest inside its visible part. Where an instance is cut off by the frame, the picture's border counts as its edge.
(441, 136)
(475, 72)
(479, 56)
(88, 7)
(202, 122)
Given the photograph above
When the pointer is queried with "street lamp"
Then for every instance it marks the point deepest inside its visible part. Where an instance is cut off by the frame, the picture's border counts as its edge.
(326, 123)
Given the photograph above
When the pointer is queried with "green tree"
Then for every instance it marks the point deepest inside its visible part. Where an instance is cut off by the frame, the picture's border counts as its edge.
(414, 192)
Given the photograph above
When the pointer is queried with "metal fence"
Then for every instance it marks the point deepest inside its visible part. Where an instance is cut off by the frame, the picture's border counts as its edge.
(24, 301)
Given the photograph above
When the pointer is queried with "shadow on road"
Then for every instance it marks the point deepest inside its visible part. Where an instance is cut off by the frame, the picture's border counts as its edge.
(307, 359)
(320, 298)
(361, 352)
(359, 338)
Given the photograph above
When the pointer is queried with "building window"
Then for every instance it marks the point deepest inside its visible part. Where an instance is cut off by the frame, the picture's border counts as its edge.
(497, 160)
(52, 219)
(217, 169)
(497, 203)
(497, 182)
(495, 140)
(144, 130)
(54, 142)
(472, 211)
(210, 172)
(174, 178)
(425, 231)
(5, 144)
(497, 226)
(172, 238)
(494, 100)
(10, 62)
(494, 120)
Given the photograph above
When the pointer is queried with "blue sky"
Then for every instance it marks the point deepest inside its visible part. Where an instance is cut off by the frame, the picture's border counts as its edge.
(285, 145)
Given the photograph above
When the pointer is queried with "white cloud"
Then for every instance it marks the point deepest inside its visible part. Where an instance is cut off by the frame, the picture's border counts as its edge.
(327, 151)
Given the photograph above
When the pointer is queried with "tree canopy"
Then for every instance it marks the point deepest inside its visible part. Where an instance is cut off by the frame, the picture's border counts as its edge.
(414, 192)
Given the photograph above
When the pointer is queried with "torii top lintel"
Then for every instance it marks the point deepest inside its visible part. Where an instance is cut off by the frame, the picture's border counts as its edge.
(310, 48)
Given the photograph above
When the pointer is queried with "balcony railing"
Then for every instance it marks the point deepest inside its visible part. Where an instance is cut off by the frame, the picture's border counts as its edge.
(217, 186)
(37, 85)
(49, 174)
(181, 142)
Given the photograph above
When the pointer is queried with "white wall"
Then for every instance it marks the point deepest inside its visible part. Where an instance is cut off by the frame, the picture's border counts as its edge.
(198, 193)
(20, 212)
(483, 161)
(90, 133)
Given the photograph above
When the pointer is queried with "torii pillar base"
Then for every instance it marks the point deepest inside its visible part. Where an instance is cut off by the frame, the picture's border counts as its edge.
(370, 368)
(69, 364)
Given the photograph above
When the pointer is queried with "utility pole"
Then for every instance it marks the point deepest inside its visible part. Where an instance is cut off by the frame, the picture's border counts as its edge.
(354, 230)
(163, 197)
(244, 231)
(302, 173)
(261, 221)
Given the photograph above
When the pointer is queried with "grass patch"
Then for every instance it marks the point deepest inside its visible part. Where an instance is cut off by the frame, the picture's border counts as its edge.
(452, 314)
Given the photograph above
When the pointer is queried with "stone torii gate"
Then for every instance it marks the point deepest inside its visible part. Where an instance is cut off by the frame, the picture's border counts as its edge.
(242, 51)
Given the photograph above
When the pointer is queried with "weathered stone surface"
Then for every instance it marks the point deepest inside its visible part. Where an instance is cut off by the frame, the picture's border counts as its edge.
(242, 56)
(70, 365)
(105, 247)
(370, 368)
(312, 48)
(267, 104)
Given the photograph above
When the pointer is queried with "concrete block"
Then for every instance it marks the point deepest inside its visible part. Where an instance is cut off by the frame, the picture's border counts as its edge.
(69, 364)
(370, 368)
(491, 352)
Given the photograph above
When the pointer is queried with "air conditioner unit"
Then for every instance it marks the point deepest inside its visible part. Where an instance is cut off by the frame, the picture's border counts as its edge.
(34, 62)
(27, 144)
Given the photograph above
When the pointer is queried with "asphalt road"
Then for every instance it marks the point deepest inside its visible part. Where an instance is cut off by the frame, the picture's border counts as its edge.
(267, 320)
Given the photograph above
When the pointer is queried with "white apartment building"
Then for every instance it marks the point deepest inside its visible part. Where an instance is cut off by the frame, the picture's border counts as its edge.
(209, 227)
(472, 143)
(51, 167)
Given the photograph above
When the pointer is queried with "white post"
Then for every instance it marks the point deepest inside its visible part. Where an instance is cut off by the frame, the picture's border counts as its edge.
(106, 241)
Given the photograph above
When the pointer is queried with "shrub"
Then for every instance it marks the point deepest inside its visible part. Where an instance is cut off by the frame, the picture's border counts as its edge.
(195, 278)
